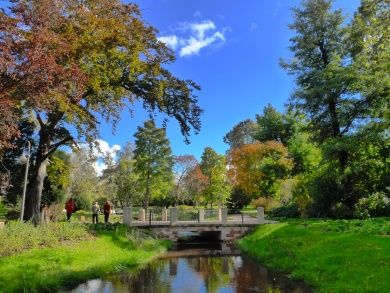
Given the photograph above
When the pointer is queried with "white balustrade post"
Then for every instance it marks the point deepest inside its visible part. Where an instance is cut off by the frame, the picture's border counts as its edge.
(201, 215)
(260, 215)
(174, 215)
(224, 213)
(164, 216)
(141, 215)
(127, 216)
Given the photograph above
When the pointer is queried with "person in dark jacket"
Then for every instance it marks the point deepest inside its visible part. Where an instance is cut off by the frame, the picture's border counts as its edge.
(70, 207)
(107, 211)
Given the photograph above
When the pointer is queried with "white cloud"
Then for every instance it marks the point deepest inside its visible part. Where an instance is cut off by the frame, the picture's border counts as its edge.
(201, 28)
(171, 41)
(197, 35)
(103, 150)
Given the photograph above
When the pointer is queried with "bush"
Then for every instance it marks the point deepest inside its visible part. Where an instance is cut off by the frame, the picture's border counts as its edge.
(375, 205)
(267, 203)
(3, 210)
(16, 237)
(286, 211)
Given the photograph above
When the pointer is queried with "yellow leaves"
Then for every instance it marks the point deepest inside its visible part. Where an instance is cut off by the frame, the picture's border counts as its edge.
(255, 167)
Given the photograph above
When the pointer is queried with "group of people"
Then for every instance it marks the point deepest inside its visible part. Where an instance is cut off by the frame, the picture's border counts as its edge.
(71, 207)
(96, 211)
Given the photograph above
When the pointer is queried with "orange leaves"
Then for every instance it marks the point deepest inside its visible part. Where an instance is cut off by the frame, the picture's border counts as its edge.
(256, 167)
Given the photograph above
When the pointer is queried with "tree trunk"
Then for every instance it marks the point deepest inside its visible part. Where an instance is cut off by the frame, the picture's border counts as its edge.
(34, 192)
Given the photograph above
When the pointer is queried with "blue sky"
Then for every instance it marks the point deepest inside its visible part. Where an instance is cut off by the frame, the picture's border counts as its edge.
(231, 49)
(237, 67)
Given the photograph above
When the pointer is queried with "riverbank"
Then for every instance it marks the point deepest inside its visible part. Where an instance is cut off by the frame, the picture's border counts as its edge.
(97, 250)
(331, 256)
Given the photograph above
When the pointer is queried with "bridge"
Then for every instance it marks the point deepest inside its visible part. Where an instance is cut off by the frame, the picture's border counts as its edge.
(175, 223)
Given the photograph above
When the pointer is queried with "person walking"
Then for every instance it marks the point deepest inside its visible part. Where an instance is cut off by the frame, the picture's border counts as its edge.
(70, 207)
(107, 211)
(95, 213)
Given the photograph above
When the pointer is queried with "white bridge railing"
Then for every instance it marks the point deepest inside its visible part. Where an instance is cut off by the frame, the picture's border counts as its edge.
(176, 216)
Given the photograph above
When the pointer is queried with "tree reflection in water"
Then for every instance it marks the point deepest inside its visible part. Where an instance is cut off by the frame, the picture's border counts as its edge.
(198, 274)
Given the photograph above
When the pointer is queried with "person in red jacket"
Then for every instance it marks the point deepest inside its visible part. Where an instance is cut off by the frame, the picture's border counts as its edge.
(107, 211)
(70, 207)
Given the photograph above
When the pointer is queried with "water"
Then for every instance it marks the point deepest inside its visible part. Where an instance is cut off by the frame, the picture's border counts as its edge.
(200, 269)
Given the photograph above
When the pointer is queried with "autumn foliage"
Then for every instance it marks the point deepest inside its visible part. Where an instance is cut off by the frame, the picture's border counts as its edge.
(255, 168)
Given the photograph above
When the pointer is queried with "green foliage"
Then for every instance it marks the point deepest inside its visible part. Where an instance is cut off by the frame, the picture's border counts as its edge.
(273, 125)
(58, 178)
(375, 205)
(242, 133)
(153, 161)
(352, 256)
(3, 209)
(126, 178)
(213, 166)
(17, 237)
(285, 211)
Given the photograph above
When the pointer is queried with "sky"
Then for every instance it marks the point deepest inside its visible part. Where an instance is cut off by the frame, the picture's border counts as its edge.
(231, 49)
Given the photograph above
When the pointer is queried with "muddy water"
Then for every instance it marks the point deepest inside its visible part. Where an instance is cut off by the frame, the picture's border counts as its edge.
(190, 269)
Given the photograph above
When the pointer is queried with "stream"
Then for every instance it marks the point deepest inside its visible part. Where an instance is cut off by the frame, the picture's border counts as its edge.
(197, 267)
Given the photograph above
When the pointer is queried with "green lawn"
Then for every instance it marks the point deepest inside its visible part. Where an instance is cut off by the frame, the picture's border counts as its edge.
(52, 268)
(332, 256)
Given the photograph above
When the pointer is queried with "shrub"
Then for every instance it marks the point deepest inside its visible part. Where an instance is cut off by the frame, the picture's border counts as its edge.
(265, 202)
(16, 237)
(3, 210)
(285, 211)
(375, 205)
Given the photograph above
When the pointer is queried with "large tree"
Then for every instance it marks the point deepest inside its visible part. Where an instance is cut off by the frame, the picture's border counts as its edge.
(71, 62)
(154, 161)
(213, 166)
(319, 68)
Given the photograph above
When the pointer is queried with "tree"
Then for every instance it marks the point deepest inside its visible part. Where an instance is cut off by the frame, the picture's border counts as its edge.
(154, 161)
(84, 183)
(126, 179)
(71, 62)
(213, 166)
(242, 133)
(257, 168)
(183, 165)
(195, 183)
(273, 125)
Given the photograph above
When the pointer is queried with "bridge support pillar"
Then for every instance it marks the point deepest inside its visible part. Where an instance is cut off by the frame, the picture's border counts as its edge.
(164, 216)
(224, 213)
(260, 215)
(174, 215)
(127, 215)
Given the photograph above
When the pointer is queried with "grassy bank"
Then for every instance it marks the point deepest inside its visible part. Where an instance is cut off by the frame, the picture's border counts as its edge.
(332, 256)
(101, 251)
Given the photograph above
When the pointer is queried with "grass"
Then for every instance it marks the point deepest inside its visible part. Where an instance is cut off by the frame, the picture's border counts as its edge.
(331, 256)
(108, 250)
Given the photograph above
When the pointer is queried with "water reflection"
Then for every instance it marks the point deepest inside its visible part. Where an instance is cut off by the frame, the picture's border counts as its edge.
(197, 274)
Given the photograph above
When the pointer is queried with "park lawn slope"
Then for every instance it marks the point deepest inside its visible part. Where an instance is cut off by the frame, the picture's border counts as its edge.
(53, 268)
(331, 256)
